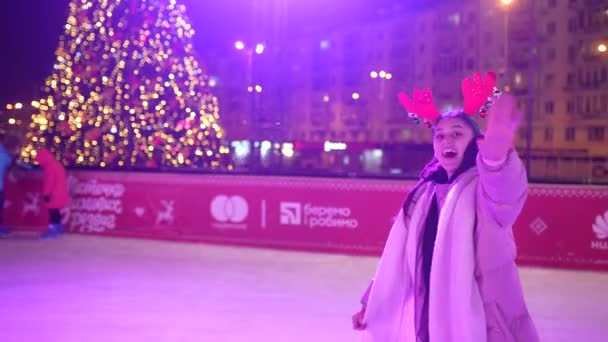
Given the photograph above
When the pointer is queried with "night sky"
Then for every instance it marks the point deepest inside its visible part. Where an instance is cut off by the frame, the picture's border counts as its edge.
(31, 28)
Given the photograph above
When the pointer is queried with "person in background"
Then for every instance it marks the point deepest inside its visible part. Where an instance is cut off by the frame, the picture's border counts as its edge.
(54, 191)
(9, 146)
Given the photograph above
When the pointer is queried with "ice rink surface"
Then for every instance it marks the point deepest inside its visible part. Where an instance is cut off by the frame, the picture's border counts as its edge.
(83, 288)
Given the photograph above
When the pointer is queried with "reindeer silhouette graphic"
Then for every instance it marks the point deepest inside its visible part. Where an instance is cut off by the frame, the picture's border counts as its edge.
(166, 215)
(31, 204)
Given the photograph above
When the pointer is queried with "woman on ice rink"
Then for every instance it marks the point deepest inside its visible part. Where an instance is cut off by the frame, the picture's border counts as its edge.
(448, 272)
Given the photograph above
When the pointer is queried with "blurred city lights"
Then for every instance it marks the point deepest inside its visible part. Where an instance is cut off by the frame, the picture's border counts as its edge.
(259, 48)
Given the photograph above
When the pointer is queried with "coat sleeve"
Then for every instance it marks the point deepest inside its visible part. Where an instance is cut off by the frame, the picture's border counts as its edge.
(503, 188)
(502, 192)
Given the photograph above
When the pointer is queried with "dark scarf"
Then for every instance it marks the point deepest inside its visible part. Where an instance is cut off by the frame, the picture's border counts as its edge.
(436, 174)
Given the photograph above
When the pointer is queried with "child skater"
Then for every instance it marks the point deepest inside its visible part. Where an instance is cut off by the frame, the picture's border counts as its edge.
(9, 145)
(54, 192)
(448, 272)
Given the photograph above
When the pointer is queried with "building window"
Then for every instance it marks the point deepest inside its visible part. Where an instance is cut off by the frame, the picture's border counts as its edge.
(324, 44)
(570, 134)
(571, 54)
(572, 25)
(352, 41)
(570, 107)
(571, 78)
(472, 18)
(552, 3)
(549, 80)
(549, 107)
(548, 134)
(454, 19)
(551, 53)
(595, 133)
(551, 28)
(487, 38)
(470, 64)
(471, 42)
(518, 79)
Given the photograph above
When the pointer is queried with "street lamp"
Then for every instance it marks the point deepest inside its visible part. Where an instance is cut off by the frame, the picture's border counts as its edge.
(259, 48)
(381, 74)
(506, 4)
(384, 76)
(602, 48)
(532, 86)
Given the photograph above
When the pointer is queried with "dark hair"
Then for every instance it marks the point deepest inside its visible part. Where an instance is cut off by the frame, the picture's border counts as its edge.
(434, 172)
(458, 113)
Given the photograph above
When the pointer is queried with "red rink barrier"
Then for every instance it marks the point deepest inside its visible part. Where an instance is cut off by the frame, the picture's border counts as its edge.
(350, 216)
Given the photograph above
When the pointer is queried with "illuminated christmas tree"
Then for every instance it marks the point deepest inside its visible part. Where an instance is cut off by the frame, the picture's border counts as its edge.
(127, 91)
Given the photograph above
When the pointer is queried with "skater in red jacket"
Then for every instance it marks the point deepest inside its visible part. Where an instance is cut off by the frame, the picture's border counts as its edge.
(55, 190)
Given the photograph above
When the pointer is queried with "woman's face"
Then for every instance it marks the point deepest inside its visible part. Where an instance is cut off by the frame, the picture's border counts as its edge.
(450, 140)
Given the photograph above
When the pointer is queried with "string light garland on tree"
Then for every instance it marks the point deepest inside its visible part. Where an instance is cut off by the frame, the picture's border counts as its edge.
(127, 91)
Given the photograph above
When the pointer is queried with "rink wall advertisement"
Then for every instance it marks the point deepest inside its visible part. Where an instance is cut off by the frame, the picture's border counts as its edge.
(560, 226)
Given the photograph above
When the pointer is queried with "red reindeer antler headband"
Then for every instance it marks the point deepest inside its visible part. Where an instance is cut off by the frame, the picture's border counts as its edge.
(422, 107)
(479, 95)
